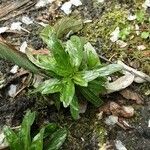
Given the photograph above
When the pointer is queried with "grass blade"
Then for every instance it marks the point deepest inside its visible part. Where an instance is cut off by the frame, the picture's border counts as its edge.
(9, 53)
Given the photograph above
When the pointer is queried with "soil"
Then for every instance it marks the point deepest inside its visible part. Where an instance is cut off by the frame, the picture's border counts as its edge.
(87, 133)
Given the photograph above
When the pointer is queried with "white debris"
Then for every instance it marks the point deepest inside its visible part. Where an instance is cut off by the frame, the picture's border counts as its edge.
(139, 80)
(120, 83)
(14, 69)
(100, 1)
(23, 50)
(66, 7)
(43, 3)
(115, 35)
(82, 108)
(129, 110)
(42, 24)
(12, 90)
(141, 47)
(23, 47)
(137, 29)
(146, 4)
(3, 29)
(100, 115)
(88, 21)
(121, 43)
(138, 74)
(2, 137)
(131, 17)
(16, 26)
(149, 123)
(111, 120)
(76, 2)
(26, 20)
(3, 142)
(119, 145)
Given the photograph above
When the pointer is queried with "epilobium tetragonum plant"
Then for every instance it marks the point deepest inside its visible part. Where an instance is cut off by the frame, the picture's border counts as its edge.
(72, 66)
(50, 137)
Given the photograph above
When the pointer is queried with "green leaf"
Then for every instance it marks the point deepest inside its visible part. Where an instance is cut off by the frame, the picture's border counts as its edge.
(97, 86)
(92, 57)
(67, 92)
(145, 35)
(78, 79)
(57, 101)
(48, 63)
(58, 51)
(11, 54)
(25, 129)
(74, 108)
(140, 16)
(67, 24)
(125, 32)
(49, 86)
(12, 139)
(50, 129)
(91, 96)
(56, 140)
(109, 69)
(74, 47)
(90, 75)
(37, 142)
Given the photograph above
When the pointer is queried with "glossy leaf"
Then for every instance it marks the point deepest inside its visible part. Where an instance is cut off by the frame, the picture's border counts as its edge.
(67, 92)
(26, 129)
(50, 129)
(91, 96)
(12, 138)
(79, 80)
(49, 86)
(56, 140)
(74, 47)
(91, 56)
(97, 86)
(74, 108)
(109, 69)
(57, 49)
(46, 62)
(9, 53)
(101, 72)
(37, 142)
(67, 24)
(89, 75)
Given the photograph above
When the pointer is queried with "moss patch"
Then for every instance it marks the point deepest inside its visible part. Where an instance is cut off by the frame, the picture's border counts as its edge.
(116, 15)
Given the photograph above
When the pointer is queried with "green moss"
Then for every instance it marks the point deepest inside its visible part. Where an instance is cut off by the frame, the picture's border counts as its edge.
(101, 132)
(99, 31)
(104, 26)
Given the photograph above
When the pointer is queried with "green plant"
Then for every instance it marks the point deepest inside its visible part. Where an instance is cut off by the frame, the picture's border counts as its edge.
(50, 137)
(74, 67)
(71, 68)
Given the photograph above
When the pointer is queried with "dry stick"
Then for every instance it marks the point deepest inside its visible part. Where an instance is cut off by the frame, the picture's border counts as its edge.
(4, 10)
(19, 12)
(129, 69)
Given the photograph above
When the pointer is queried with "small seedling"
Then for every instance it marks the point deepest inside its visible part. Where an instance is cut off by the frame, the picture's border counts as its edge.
(70, 69)
(73, 66)
(50, 137)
